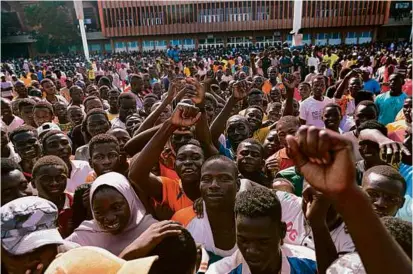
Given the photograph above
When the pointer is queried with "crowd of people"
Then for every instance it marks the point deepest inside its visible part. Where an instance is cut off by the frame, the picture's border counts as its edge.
(243, 160)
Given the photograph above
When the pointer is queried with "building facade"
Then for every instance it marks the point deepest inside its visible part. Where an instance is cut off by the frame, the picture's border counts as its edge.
(148, 25)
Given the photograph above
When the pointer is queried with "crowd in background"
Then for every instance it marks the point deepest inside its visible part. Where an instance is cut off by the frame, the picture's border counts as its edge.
(220, 160)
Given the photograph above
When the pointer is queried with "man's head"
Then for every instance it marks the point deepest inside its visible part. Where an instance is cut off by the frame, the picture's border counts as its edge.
(29, 234)
(355, 84)
(43, 113)
(401, 231)
(56, 143)
(92, 102)
(369, 150)
(60, 108)
(136, 83)
(260, 230)
(122, 136)
(25, 142)
(6, 110)
(318, 86)
(77, 94)
(271, 144)
(407, 109)
(48, 86)
(127, 105)
(113, 96)
(255, 97)
(274, 111)
(181, 137)
(365, 111)
(237, 130)
(76, 115)
(14, 185)
(272, 73)
(332, 116)
(386, 188)
(50, 177)
(219, 183)
(25, 107)
(148, 101)
(250, 156)
(96, 122)
(304, 89)
(254, 116)
(104, 153)
(287, 125)
(396, 82)
(21, 89)
(275, 94)
(210, 107)
(189, 160)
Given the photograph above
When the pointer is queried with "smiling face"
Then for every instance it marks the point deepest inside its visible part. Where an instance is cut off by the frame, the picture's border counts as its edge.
(58, 145)
(271, 144)
(110, 209)
(258, 240)
(76, 116)
(238, 130)
(254, 117)
(318, 86)
(188, 163)
(332, 118)
(50, 181)
(304, 91)
(26, 113)
(42, 115)
(26, 145)
(218, 184)
(275, 94)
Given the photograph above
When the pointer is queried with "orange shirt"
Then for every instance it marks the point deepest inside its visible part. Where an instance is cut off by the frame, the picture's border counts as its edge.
(266, 87)
(173, 194)
(283, 159)
(184, 216)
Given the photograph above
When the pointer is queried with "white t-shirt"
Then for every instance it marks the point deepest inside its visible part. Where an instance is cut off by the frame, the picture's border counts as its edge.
(313, 61)
(17, 121)
(299, 232)
(311, 110)
(80, 171)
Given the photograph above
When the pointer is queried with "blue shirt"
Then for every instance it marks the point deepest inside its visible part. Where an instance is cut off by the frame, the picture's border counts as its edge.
(373, 86)
(389, 106)
(405, 212)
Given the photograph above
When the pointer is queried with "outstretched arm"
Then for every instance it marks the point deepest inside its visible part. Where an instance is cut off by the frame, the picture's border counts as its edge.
(138, 142)
(141, 164)
(322, 156)
(290, 84)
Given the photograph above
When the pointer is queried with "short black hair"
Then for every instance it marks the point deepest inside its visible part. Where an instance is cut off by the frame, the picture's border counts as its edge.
(401, 231)
(49, 160)
(289, 120)
(373, 124)
(25, 102)
(224, 159)
(114, 90)
(386, 171)
(102, 139)
(72, 107)
(90, 113)
(255, 107)
(44, 81)
(252, 141)
(90, 98)
(177, 254)
(368, 103)
(44, 104)
(126, 95)
(255, 91)
(49, 134)
(332, 105)
(20, 129)
(258, 202)
(151, 95)
(363, 95)
(8, 165)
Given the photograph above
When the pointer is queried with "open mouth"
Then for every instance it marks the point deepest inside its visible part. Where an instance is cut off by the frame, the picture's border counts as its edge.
(188, 171)
(113, 226)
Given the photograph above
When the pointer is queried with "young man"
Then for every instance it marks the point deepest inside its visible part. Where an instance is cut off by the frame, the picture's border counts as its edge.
(50, 175)
(123, 137)
(271, 144)
(332, 117)
(137, 88)
(27, 145)
(104, 156)
(287, 125)
(14, 185)
(61, 111)
(386, 188)
(76, 116)
(96, 122)
(113, 97)
(216, 229)
(9, 120)
(250, 162)
(127, 106)
(260, 234)
(77, 95)
(49, 88)
(43, 113)
(390, 103)
(26, 107)
(189, 159)
(58, 144)
(36, 244)
(255, 116)
(92, 102)
(311, 109)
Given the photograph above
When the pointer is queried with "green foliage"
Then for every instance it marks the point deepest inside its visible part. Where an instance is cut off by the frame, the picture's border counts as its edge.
(54, 28)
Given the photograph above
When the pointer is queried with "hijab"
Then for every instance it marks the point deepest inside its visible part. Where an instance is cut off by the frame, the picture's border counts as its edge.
(89, 233)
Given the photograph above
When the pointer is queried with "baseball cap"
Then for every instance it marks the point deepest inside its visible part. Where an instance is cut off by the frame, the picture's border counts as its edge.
(46, 127)
(29, 223)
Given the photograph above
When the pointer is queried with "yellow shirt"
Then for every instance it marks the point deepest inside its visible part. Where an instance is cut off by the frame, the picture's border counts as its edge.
(330, 59)
(111, 116)
(261, 134)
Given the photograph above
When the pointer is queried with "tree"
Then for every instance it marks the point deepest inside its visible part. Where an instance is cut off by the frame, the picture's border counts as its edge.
(53, 26)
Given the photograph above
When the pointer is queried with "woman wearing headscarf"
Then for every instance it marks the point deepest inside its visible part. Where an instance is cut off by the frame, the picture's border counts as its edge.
(119, 217)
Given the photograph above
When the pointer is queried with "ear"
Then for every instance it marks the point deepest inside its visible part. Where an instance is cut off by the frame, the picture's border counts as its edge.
(91, 163)
(238, 182)
(402, 202)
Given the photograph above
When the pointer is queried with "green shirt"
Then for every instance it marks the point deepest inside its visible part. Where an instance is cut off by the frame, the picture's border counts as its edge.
(291, 175)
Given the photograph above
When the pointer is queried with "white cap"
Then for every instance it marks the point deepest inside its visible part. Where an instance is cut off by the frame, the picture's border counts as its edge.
(46, 127)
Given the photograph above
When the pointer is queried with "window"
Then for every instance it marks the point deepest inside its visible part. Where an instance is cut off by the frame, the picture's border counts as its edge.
(351, 35)
(335, 35)
(366, 34)
(306, 36)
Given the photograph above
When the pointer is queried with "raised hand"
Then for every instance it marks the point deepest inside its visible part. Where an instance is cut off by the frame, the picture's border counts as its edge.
(240, 90)
(325, 158)
(199, 93)
(185, 115)
(176, 86)
(290, 81)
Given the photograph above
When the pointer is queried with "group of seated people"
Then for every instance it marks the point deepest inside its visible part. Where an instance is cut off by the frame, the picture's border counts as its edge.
(207, 177)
